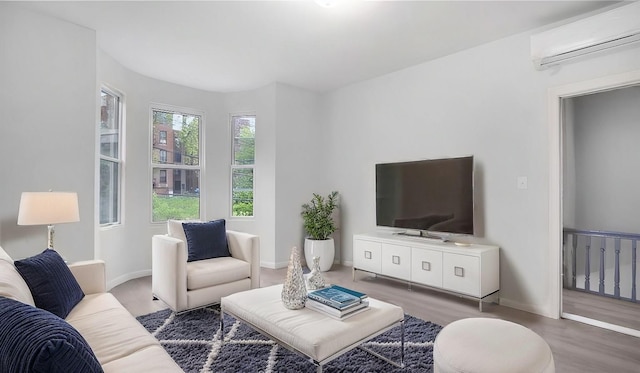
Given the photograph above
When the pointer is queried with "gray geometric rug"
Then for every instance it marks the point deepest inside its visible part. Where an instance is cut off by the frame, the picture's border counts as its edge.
(193, 341)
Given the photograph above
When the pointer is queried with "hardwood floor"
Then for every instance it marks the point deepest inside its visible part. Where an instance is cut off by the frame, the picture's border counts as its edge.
(624, 313)
(576, 347)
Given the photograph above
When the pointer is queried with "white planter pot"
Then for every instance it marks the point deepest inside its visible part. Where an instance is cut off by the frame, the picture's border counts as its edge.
(325, 249)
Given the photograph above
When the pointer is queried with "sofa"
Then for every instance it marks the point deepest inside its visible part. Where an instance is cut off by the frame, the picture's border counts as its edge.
(120, 343)
(185, 284)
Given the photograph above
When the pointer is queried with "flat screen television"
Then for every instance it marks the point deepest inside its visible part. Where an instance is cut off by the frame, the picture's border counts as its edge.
(433, 197)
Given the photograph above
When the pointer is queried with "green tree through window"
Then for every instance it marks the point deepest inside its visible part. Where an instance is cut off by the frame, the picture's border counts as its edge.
(242, 167)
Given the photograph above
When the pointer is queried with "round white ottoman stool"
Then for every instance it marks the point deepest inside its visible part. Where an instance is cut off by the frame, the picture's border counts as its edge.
(482, 345)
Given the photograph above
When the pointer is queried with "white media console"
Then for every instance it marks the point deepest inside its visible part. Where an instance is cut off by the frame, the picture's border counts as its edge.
(471, 271)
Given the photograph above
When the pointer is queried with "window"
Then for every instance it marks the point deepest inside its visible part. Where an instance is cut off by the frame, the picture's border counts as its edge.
(243, 129)
(175, 164)
(110, 156)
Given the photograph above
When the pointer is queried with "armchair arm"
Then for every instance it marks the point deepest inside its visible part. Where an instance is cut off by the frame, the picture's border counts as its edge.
(169, 271)
(91, 276)
(246, 246)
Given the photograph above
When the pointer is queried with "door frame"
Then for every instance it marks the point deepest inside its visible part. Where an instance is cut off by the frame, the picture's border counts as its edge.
(555, 119)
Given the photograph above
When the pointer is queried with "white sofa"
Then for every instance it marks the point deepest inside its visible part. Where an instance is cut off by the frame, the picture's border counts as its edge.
(121, 344)
(186, 285)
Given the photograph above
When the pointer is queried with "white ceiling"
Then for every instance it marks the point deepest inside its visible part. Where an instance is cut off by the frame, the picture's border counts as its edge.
(240, 45)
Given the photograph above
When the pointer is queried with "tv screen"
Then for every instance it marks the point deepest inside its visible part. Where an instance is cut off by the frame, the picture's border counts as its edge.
(429, 195)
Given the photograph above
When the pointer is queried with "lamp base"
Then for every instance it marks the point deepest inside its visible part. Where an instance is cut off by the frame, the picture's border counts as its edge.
(50, 233)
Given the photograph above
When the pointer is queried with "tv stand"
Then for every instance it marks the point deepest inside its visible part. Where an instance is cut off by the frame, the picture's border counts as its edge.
(471, 272)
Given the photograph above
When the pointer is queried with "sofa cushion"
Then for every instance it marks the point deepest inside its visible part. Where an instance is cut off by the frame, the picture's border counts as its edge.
(211, 272)
(12, 285)
(149, 359)
(206, 240)
(109, 328)
(52, 284)
(35, 340)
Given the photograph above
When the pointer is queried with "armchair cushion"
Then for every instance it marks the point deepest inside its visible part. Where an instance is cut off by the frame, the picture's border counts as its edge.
(217, 271)
(51, 282)
(206, 240)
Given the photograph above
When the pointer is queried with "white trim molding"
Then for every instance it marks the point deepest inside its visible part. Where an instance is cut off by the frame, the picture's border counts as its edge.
(554, 102)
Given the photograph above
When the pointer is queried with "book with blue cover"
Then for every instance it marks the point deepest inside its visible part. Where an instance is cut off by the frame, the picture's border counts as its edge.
(351, 291)
(334, 297)
(336, 313)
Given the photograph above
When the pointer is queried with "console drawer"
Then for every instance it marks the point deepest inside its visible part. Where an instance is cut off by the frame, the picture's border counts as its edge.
(461, 273)
(366, 255)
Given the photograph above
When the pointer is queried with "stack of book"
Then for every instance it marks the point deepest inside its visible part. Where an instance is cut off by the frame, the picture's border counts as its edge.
(337, 302)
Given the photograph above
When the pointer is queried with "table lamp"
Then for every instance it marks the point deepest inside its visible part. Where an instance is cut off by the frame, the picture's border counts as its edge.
(40, 208)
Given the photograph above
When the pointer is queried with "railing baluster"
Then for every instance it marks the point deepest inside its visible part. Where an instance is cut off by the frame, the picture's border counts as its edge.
(616, 275)
(587, 266)
(573, 260)
(603, 245)
(617, 268)
(633, 271)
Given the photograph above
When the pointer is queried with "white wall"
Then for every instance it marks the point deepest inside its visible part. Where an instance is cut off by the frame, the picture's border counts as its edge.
(602, 154)
(47, 101)
(260, 102)
(127, 248)
(607, 155)
(486, 101)
(289, 164)
(281, 111)
(300, 164)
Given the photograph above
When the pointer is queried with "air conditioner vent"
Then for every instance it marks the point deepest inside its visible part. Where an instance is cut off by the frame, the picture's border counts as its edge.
(614, 28)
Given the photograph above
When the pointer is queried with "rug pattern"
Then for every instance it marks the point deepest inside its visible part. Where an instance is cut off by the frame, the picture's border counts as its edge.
(193, 341)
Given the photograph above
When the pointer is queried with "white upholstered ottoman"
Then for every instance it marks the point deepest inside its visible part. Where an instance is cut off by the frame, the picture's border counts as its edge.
(482, 345)
(308, 332)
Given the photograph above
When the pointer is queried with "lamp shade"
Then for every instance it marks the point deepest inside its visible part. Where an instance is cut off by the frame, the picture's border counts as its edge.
(40, 208)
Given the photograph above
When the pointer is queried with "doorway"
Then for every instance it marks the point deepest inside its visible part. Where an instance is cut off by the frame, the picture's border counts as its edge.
(572, 204)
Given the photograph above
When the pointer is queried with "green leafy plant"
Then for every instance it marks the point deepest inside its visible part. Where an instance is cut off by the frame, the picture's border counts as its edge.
(316, 216)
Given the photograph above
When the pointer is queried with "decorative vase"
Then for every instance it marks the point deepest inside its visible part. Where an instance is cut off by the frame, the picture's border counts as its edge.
(315, 280)
(294, 291)
(325, 249)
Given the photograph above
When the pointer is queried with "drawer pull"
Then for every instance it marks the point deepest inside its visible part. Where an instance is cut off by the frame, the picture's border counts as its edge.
(395, 259)
(367, 254)
(426, 266)
(458, 271)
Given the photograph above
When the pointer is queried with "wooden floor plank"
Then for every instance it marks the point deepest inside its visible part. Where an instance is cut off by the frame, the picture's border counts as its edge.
(576, 347)
(612, 311)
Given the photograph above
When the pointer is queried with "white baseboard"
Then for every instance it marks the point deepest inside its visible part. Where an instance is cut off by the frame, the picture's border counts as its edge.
(526, 307)
(602, 324)
(347, 263)
(274, 265)
(129, 276)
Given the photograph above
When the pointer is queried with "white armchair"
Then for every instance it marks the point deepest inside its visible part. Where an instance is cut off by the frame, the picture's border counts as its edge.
(186, 285)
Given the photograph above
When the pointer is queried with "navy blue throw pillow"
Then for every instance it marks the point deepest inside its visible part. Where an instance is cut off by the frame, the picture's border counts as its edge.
(35, 340)
(206, 240)
(51, 282)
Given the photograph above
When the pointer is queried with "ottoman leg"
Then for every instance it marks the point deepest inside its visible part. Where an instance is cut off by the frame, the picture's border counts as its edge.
(221, 327)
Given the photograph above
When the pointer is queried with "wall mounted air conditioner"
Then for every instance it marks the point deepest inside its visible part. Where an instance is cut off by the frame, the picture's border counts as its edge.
(616, 27)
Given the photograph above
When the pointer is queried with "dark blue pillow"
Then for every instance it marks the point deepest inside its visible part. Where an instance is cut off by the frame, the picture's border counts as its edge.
(35, 340)
(52, 284)
(206, 240)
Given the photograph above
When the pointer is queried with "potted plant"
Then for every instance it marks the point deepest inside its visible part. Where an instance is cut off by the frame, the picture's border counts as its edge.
(319, 225)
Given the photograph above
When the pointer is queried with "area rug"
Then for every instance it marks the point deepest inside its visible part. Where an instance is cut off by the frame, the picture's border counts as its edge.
(193, 341)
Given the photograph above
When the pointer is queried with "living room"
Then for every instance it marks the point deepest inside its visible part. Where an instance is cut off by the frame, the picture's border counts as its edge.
(488, 101)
